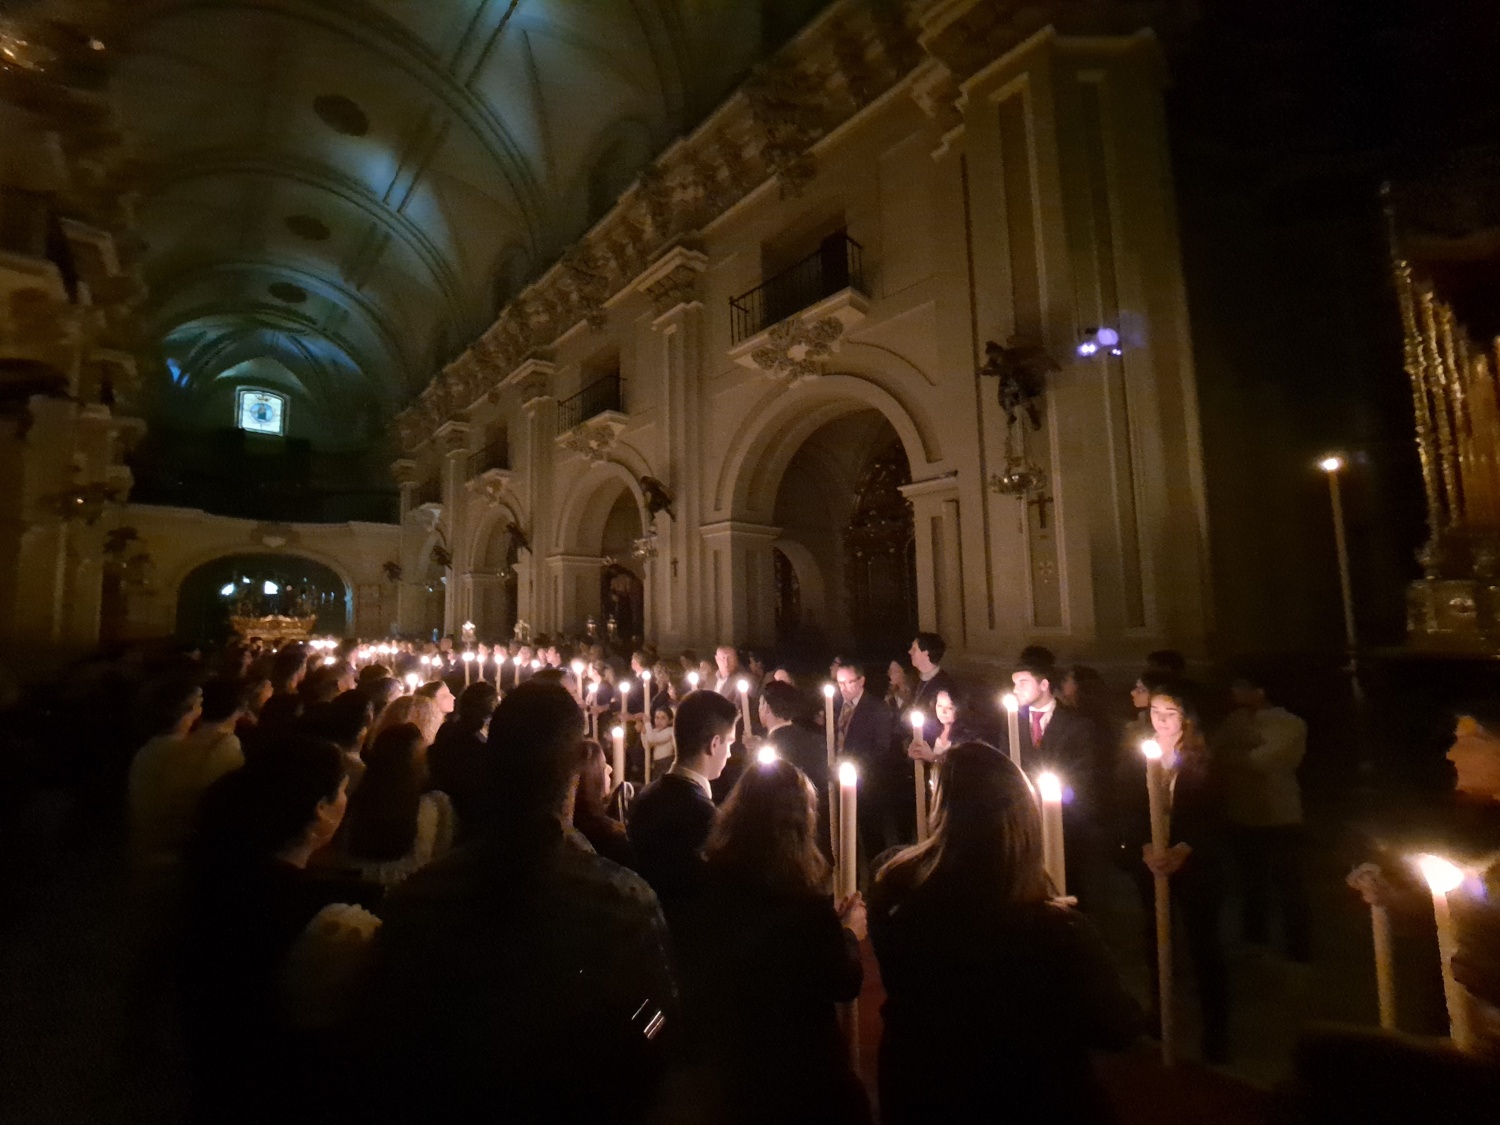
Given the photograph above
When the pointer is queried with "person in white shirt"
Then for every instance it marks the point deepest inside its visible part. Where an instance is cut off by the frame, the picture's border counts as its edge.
(1259, 748)
(727, 672)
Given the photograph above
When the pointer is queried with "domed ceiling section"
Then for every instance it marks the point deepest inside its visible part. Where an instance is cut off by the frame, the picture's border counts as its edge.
(352, 188)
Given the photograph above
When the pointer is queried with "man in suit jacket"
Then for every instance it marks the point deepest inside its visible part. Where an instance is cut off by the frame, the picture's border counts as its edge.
(865, 731)
(1059, 739)
(670, 819)
(926, 653)
(781, 705)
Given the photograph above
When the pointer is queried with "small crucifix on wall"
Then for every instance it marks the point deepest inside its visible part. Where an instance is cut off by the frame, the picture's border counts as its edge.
(1042, 502)
(674, 568)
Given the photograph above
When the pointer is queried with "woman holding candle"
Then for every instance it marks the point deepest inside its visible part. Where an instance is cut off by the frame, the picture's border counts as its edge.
(764, 957)
(1193, 863)
(590, 808)
(995, 993)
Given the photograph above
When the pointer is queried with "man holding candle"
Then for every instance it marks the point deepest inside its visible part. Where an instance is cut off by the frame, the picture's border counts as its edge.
(865, 731)
(669, 820)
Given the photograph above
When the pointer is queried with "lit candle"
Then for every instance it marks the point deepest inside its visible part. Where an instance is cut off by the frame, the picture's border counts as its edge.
(468, 659)
(693, 681)
(327, 661)
(743, 686)
(1385, 970)
(1049, 788)
(919, 773)
(412, 680)
(848, 822)
(617, 736)
(646, 701)
(1442, 879)
(1012, 725)
(766, 755)
(1156, 793)
(828, 732)
(577, 667)
(625, 689)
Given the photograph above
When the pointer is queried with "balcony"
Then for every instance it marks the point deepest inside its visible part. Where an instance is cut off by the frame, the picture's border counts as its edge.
(837, 264)
(430, 491)
(602, 396)
(496, 455)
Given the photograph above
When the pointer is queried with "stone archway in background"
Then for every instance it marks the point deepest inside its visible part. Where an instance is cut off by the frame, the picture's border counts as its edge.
(207, 595)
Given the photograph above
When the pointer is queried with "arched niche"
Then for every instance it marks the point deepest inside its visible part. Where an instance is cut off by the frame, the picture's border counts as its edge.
(207, 595)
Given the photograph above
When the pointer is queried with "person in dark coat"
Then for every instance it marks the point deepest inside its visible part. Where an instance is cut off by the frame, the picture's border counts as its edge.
(764, 956)
(926, 653)
(995, 994)
(781, 708)
(670, 818)
(865, 730)
(1194, 862)
(456, 762)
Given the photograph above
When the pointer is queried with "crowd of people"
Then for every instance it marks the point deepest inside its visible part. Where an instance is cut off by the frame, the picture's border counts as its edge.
(404, 883)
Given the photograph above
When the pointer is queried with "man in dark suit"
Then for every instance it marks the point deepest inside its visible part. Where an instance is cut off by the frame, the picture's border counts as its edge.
(670, 819)
(1058, 739)
(926, 653)
(866, 732)
(781, 706)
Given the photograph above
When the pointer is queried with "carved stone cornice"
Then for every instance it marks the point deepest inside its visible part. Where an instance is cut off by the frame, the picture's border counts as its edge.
(593, 440)
(404, 472)
(798, 348)
(453, 437)
(672, 279)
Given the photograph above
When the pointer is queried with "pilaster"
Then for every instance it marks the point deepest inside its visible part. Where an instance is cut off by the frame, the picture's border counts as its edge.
(741, 606)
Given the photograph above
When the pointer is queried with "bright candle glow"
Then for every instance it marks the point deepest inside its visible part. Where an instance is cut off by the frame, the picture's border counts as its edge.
(1151, 749)
(499, 658)
(617, 732)
(468, 658)
(848, 774)
(577, 667)
(827, 691)
(593, 687)
(1049, 786)
(766, 755)
(327, 660)
(1009, 702)
(918, 721)
(270, 587)
(646, 675)
(1441, 875)
(1332, 463)
(412, 680)
(625, 686)
(743, 686)
(535, 664)
(517, 662)
(693, 679)
(468, 626)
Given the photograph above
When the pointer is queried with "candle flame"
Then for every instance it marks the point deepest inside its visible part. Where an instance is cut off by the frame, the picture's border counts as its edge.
(766, 755)
(468, 658)
(1332, 463)
(617, 732)
(1152, 749)
(918, 720)
(1049, 785)
(828, 691)
(848, 774)
(578, 667)
(1441, 875)
(1009, 702)
(693, 678)
(743, 686)
(535, 664)
(646, 675)
(412, 679)
(625, 686)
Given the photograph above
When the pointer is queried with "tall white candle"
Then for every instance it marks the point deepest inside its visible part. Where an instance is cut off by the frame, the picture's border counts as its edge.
(468, 659)
(828, 732)
(577, 667)
(1012, 725)
(1442, 879)
(693, 681)
(1385, 968)
(1049, 789)
(1156, 792)
(617, 736)
(919, 775)
(848, 825)
(646, 695)
(743, 687)
(593, 716)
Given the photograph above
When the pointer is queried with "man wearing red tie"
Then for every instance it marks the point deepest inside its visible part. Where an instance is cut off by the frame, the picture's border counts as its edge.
(1059, 739)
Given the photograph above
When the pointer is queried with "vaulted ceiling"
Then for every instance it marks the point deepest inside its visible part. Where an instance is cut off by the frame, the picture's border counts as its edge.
(352, 188)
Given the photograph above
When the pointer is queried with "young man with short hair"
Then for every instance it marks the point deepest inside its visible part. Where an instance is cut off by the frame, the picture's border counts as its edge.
(926, 652)
(669, 820)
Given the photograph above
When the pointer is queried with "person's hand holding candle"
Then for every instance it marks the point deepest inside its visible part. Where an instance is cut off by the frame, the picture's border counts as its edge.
(1170, 862)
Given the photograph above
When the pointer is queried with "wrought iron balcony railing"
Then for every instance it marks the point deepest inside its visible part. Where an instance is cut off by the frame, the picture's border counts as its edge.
(837, 263)
(599, 396)
(496, 455)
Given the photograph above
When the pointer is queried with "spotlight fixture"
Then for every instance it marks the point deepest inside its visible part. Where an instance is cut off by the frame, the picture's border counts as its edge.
(1097, 340)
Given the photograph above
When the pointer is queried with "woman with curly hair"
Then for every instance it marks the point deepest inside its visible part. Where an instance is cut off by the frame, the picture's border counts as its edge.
(765, 955)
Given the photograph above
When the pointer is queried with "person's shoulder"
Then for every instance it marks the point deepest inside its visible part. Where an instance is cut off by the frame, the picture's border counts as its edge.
(584, 867)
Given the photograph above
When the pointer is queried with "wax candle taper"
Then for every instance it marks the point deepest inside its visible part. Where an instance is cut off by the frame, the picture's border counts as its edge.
(1157, 795)
(743, 687)
(1443, 878)
(1049, 790)
(848, 825)
(1012, 708)
(919, 775)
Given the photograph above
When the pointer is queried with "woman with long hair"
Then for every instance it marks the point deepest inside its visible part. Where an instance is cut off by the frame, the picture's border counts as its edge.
(1194, 861)
(419, 710)
(765, 956)
(394, 827)
(602, 831)
(995, 993)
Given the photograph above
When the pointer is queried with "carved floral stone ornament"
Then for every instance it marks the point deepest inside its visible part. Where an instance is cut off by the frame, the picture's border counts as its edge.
(795, 350)
(644, 547)
(592, 440)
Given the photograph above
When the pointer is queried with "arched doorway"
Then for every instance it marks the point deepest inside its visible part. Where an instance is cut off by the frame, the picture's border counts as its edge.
(432, 593)
(621, 578)
(259, 584)
(496, 585)
(839, 505)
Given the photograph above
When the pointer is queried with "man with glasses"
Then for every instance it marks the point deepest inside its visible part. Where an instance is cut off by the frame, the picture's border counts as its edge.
(865, 732)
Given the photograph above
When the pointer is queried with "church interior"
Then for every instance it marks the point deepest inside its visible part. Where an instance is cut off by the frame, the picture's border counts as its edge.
(637, 328)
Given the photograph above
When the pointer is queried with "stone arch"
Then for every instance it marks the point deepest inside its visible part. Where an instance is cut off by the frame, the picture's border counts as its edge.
(581, 518)
(809, 579)
(507, 509)
(775, 429)
(226, 550)
(198, 614)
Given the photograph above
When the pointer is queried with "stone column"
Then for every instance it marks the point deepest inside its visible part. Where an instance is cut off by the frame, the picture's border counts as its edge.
(940, 593)
(538, 431)
(740, 600)
(404, 472)
(453, 439)
(572, 594)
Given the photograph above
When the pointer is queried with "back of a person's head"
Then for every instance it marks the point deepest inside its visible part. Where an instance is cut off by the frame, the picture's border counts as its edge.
(383, 810)
(933, 645)
(986, 840)
(785, 702)
(370, 673)
(476, 703)
(421, 710)
(287, 663)
(767, 831)
(535, 749)
(320, 685)
(265, 807)
(1168, 660)
(1039, 655)
(701, 717)
(343, 720)
(223, 698)
(166, 702)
